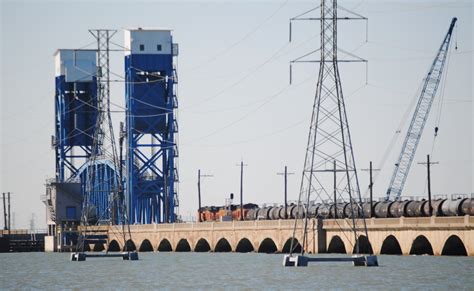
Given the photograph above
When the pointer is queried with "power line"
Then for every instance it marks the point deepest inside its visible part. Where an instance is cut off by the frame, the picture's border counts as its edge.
(233, 45)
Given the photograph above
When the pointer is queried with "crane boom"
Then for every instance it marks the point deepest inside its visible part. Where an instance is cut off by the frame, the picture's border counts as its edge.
(431, 83)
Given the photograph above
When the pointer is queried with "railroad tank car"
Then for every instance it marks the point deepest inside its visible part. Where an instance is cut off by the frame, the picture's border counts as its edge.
(265, 214)
(274, 213)
(313, 210)
(366, 209)
(436, 205)
(282, 212)
(290, 211)
(398, 208)
(381, 210)
(324, 211)
(348, 208)
(415, 208)
(298, 212)
(467, 207)
(452, 207)
(339, 210)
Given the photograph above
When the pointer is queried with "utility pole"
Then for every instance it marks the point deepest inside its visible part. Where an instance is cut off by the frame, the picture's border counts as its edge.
(286, 189)
(4, 212)
(242, 165)
(335, 190)
(199, 192)
(428, 163)
(371, 187)
(9, 220)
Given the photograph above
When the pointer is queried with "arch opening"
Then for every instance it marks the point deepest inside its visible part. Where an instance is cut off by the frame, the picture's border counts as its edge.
(202, 246)
(165, 246)
(130, 246)
(222, 246)
(146, 246)
(454, 247)
(244, 246)
(183, 246)
(267, 246)
(336, 246)
(287, 246)
(98, 247)
(421, 246)
(113, 246)
(390, 246)
(365, 247)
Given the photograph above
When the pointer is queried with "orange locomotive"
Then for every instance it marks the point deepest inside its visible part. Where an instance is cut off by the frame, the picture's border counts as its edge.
(217, 213)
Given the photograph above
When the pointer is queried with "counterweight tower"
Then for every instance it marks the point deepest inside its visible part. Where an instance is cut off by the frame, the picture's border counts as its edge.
(151, 125)
(75, 110)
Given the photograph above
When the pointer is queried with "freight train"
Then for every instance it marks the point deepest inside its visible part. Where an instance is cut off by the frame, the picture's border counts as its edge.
(381, 209)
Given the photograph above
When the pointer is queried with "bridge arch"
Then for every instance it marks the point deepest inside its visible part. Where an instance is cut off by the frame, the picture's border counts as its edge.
(130, 246)
(267, 246)
(244, 246)
(222, 246)
(287, 245)
(113, 246)
(202, 246)
(145, 246)
(390, 246)
(365, 247)
(164, 246)
(336, 245)
(454, 247)
(421, 246)
(98, 247)
(183, 246)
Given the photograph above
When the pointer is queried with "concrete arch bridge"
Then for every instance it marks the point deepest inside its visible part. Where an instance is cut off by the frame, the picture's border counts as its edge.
(402, 236)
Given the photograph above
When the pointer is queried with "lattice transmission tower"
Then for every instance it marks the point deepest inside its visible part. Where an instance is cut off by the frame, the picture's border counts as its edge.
(103, 167)
(330, 175)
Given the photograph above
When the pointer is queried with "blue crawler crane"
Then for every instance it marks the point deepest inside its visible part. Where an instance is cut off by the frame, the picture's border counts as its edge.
(422, 110)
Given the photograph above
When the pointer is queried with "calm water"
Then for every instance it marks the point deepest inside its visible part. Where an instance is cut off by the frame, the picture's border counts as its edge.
(229, 270)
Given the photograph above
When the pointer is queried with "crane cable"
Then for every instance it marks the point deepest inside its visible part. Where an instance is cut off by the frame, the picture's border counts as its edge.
(440, 105)
(395, 136)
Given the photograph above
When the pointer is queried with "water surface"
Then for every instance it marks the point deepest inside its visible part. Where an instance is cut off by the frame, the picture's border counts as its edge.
(229, 271)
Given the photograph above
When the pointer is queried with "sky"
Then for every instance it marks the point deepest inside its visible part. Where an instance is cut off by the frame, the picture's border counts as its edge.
(235, 100)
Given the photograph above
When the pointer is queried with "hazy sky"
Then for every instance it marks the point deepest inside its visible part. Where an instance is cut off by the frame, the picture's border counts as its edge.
(234, 96)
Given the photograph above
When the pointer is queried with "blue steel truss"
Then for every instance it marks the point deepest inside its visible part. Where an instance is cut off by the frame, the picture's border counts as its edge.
(76, 113)
(105, 180)
(151, 145)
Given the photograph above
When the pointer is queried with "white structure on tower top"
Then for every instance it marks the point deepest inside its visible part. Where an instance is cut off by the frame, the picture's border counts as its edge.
(149, 41)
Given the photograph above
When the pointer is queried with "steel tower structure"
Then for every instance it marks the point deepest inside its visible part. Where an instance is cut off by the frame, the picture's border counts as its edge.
(102, 183)
(329, 171)
(151, 125)
(418, 121)
(101, 173)
(75, 110)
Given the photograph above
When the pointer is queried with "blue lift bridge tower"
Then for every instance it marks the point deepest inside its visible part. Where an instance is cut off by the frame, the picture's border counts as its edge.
(76, 110)
(151, 125)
